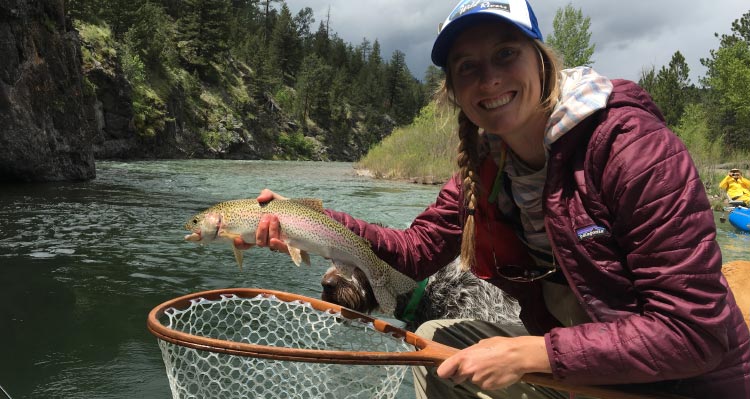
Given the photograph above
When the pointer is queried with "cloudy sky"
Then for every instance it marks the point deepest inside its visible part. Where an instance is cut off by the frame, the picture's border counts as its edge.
(629, 35)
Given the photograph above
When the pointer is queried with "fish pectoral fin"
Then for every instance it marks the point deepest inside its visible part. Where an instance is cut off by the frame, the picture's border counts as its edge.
(296, 254)
(238, 256)
(228, 236)
(193, 237)
(305, 257)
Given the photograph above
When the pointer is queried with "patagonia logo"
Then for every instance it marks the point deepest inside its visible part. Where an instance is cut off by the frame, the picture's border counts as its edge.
(591, 232)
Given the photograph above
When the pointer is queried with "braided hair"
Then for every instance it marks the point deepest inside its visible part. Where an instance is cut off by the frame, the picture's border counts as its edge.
(468, 162)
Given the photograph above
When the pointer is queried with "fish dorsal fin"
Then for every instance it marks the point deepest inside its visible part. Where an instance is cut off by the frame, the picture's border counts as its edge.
(312, 203)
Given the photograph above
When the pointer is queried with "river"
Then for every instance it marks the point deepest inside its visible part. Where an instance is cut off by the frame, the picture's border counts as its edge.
(82, 264)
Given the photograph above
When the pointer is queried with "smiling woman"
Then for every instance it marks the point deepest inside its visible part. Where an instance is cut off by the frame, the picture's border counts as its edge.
(572, 164)
(553, 138)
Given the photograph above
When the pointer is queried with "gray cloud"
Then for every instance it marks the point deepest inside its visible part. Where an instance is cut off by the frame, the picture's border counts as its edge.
(629, 36)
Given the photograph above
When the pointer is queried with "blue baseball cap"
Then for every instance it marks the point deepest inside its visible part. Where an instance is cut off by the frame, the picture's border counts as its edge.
(469, 12)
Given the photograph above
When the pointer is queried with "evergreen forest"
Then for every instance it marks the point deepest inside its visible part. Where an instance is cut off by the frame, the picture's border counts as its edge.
(235, 63)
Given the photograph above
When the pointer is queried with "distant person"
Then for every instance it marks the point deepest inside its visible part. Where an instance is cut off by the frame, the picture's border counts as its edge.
(736, 186)
(623, 284)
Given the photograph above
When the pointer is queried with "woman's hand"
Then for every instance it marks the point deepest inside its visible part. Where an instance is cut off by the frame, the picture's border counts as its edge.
(497, 362)
(268, 233)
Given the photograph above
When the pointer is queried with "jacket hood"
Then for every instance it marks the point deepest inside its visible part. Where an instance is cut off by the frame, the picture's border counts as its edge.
(629, 94)
(582, 93)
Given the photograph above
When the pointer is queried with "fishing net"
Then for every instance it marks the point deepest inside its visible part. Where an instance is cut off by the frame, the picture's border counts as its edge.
(205, 349)
(249, 343)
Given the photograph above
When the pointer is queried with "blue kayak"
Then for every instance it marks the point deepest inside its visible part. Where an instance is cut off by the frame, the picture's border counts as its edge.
(739, 217)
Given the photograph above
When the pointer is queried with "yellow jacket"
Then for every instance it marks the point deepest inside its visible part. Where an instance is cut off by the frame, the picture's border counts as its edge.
(736, 189)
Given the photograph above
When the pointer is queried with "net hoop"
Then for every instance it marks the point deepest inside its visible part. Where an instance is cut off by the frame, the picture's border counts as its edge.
(426, 352)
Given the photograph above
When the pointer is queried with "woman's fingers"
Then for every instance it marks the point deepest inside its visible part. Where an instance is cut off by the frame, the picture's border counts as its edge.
(268, 195)
(240, 244)
(262, 233)
(268, 234)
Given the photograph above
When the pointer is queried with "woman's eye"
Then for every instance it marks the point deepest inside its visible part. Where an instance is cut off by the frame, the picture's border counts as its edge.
(505, 54)
(466, 67)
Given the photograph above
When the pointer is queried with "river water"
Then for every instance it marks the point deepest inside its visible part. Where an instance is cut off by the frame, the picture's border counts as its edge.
(82, 264)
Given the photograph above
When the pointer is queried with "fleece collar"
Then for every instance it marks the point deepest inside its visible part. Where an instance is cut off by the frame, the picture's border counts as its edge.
(582, 92)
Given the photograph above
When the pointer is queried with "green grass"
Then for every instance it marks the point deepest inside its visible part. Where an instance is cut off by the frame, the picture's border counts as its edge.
(423, 152)
(101, 44)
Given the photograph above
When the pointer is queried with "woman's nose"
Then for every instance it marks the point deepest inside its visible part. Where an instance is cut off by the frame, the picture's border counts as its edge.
(489, 75)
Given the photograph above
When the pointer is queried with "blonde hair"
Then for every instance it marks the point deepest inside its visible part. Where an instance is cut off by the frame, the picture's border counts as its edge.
(469, 146)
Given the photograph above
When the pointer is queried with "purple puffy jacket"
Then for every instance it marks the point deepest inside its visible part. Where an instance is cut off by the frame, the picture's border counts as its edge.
(649, 276)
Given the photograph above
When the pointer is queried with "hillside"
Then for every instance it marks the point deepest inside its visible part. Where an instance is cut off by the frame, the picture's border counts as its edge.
(239, 80)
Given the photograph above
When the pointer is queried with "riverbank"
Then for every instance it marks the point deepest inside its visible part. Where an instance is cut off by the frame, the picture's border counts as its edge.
(426, 180)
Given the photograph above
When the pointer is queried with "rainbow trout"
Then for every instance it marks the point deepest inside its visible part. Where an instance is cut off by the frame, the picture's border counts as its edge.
(306, 230)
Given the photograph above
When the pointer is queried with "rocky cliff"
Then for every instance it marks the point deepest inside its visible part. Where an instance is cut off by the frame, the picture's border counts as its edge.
(66, 98)
(47, 121)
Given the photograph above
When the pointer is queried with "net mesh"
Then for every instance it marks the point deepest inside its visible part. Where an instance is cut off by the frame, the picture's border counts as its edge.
(269, 321)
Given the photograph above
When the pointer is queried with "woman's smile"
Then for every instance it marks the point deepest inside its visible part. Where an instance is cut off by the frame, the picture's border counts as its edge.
(497, 102)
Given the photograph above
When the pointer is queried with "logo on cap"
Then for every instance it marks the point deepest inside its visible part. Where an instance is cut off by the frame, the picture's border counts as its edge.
(517, 12)
(471, 4)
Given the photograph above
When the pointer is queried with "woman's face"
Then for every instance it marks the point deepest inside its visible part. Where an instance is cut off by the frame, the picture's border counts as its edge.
(495, 78)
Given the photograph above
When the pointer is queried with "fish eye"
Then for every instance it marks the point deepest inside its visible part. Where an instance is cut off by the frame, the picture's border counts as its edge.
(195, 221)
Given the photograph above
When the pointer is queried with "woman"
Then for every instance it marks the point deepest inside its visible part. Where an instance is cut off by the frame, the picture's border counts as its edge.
(622, 283)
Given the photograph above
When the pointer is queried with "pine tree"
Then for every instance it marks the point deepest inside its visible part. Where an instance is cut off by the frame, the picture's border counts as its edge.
(433, 81)
(203, 31)
(285, 48)
(268, 19)
(671, 88)
(120, 14)
(312, 87)
(152, 36)
(372, 80)
(321, 44)
(395, 85)
(571, 37)
(244, 23)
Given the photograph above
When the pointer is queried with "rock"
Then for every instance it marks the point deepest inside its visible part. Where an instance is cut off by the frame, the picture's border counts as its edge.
(47, 120)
